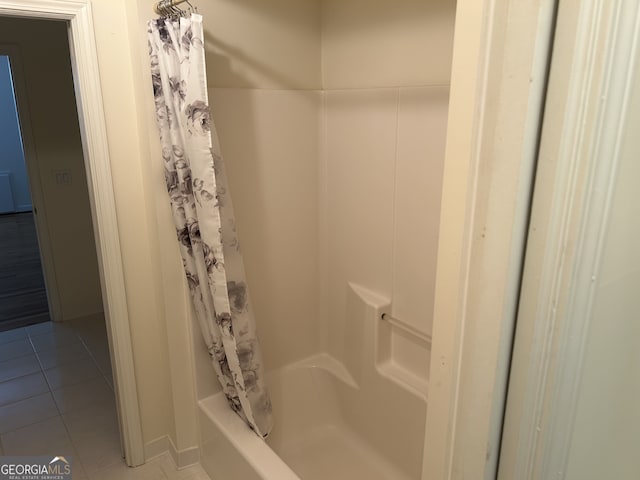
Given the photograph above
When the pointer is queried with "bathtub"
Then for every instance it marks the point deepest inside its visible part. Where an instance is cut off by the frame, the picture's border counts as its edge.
(362, 417)
(323, 430)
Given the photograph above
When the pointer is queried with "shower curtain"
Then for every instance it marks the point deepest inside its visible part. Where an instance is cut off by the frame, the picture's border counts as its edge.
(203, 215)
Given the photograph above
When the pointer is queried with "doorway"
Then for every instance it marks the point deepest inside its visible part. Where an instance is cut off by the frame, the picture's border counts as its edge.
(56, 382)
(77, 17)
(41, 65)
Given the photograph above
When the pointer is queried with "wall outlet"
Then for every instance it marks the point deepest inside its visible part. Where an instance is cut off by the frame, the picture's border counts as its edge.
(63, 177)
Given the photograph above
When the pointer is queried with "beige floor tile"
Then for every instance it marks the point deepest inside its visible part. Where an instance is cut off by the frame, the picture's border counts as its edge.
(87, 431)
(160, 468)
(195, 472)
(71, 373)
(27, 412)
(56, 339)
(75, 352)
(15, 348)
(149, 471)
(85, 422)
(21, 388)
(99, 450)
(82, 395)
(49, 327)
(11, 335)
(18, 367)
(94, 332)
(78, 472)
(102, 358)
(48, 437)
(40, 328)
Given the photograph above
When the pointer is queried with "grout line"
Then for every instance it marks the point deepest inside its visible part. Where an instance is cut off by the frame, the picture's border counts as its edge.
(392, 87)
(25, 398)
(334, 89)
(30, 424)
(97, 365)
(394, 200)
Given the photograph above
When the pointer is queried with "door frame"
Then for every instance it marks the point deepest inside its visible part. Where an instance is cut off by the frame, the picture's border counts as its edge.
(593, 61)
(86, 77)
(498, 85)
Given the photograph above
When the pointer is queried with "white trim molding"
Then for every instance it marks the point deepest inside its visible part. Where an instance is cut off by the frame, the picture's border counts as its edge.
(592, 74)
(94, 137)
(499, 73)
(181, 458)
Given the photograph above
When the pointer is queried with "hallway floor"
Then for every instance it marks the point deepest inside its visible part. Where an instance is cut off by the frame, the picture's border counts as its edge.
(23, 298)
(56, 398)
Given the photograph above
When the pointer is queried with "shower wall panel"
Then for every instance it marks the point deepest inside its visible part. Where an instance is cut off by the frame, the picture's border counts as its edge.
(263, 72)
(262, 44)
(386, 43)
(331, 116)
(386, 73)
(270, 144)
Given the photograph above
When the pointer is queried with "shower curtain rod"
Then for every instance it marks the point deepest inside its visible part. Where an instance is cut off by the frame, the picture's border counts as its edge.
(167, 7)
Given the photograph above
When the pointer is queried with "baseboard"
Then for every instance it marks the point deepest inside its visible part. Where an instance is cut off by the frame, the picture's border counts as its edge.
(182, 458)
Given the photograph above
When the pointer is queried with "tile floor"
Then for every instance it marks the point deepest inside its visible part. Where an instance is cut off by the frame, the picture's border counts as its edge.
(56, 398)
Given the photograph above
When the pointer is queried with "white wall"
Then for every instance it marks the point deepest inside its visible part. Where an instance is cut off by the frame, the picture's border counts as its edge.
(44, 54)
(121, 44)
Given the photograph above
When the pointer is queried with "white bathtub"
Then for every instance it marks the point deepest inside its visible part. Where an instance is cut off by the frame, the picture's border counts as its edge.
(321, 423)
(361, 419)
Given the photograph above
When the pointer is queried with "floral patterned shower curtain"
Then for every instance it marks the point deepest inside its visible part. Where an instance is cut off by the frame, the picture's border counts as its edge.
(195, 178)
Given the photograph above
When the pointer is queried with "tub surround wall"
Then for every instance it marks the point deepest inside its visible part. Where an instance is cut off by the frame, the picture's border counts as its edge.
(335, 170)
(383, 152)
(334, 157)
(386, 402)
(255, 44)
(263, 72)
(325, 412)
(386, 43)
(386, 71)
(337, 193)
(270, 143)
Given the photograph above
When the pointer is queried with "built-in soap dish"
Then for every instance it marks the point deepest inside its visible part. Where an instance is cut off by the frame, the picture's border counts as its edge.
(403, 354)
